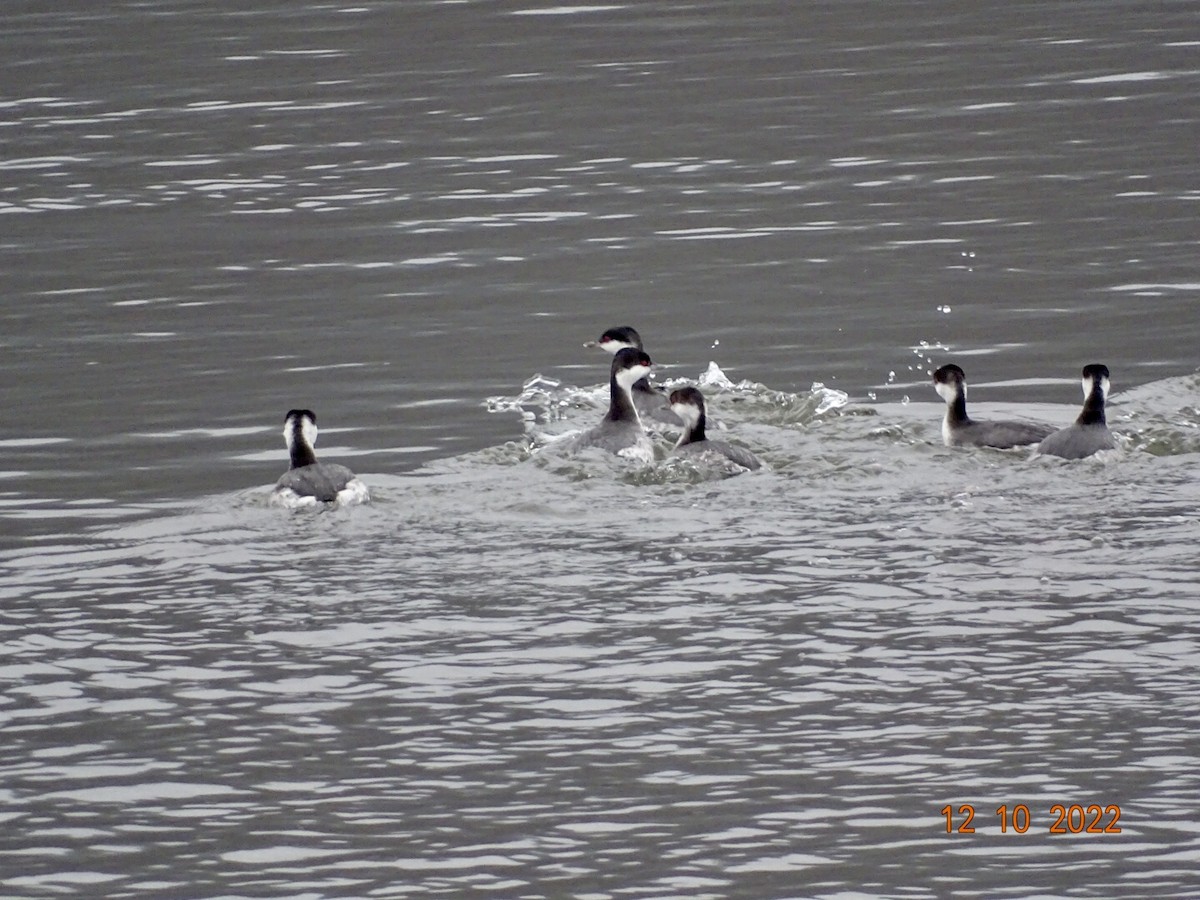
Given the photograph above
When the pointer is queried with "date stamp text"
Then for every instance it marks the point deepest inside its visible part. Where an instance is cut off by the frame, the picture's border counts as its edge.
(1073, 818)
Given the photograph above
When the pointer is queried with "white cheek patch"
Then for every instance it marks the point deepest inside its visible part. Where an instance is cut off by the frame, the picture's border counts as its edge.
(1101, 382)
(308, 432)
(613, 346)
(626, 378)
(946, 390)
(687, 413)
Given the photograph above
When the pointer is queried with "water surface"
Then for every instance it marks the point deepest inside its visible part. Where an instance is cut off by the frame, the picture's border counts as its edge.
(519, 675)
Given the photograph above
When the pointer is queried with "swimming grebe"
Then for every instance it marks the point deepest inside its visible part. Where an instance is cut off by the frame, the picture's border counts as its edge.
(620, 431)
(688, 404)
(309, 482)
(959, 429)
(1089, 433)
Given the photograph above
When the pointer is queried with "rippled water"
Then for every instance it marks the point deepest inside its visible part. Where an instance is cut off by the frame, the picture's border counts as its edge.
(516, 674)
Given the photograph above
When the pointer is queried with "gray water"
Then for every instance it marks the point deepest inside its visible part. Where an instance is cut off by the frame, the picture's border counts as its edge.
(515, 674)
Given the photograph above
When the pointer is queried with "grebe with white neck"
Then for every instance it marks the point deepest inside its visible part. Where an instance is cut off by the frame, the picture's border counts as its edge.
(959, 429)
(688, 404)
(308, 482)
(651, 402)
(1089, 433)
(620, 431)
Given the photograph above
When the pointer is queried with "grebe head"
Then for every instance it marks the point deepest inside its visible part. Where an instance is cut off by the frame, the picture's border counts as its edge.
(1096, 375)
(300, 425)
(629, 365)
(617, 339)
(950, 381)
(688, 404)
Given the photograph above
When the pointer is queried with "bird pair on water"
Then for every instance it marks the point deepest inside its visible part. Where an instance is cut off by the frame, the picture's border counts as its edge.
(1087, 435)
(632, 397)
